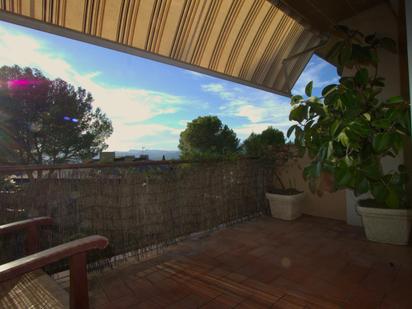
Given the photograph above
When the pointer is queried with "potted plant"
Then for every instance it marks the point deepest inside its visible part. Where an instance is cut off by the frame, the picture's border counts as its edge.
(285, 202)
(349, 129)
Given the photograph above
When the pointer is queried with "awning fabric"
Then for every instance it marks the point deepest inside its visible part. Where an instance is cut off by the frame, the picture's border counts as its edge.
(241, 40)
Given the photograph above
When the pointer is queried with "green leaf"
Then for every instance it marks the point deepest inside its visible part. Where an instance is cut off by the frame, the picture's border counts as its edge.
(328, 90)
(388, 44)
(372, 170)
(331, 98)
(361, 77)
(359, 128)
(397, 142)
(402, 168)
(378, 191)
(290, 130)
(298, 113)
(345, 55)
(362, 186)
(383, 123)
(308, 89)
(348, 161)
(334, 127)
(392, 199)
(367, 116)
(381, 142)
(309, 171)
(343, 177)
(330, 150)
(343, 139)
(296, 99)
(395, 100)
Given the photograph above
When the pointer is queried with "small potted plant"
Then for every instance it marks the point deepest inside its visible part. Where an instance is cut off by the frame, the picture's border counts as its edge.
(350, 129)
(285, 202)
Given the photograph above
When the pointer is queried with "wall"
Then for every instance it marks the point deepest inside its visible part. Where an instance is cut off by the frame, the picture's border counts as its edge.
(382, 21)
(330, 205)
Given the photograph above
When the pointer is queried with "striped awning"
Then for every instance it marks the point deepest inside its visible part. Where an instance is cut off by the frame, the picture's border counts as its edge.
(246, 41)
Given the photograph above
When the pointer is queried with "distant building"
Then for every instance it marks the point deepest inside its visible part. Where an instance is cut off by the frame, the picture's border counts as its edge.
(110, 156)
(143, 157)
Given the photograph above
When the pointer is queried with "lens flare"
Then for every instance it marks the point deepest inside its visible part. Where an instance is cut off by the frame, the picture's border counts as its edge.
(21, 83)
(67, 118)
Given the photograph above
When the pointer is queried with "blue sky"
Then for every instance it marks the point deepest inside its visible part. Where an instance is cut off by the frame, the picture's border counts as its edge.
(150, 103)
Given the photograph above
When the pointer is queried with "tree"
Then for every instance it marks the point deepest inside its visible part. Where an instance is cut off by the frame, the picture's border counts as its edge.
(48, 121)
(261, 145)
(207, 137)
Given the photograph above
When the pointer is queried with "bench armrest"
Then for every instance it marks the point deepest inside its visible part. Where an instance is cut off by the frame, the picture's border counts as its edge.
(31, 227)
(74, 250)
(40, 259)
(24, 224)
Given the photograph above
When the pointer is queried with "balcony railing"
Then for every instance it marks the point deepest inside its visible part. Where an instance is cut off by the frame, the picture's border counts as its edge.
(135, 205)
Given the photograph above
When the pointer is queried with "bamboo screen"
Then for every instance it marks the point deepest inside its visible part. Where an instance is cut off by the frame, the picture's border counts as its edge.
(137, 207)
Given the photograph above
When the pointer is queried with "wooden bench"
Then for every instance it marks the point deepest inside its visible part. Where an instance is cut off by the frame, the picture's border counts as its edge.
(24, 285)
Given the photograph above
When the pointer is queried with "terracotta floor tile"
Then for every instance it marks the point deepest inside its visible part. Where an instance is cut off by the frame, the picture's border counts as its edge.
(215, 305)
(235, 277)
(142, 288)
(229, 299)
(218, 272)
(148, 304)
(121, 303)
(364, 298)
(310, 263)
(116, 289)
(191, 301)
(166, 299)
(284, 304)
(251, 304)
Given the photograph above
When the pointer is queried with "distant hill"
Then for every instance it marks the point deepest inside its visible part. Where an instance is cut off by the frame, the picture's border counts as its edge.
(154, 154)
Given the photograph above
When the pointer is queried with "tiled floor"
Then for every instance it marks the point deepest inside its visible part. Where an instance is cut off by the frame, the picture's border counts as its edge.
(309, 263)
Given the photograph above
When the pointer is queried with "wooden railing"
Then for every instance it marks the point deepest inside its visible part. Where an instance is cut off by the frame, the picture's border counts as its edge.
(75, 250)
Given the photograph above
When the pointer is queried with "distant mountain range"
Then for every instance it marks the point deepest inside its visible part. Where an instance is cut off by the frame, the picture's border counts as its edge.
(154, 154)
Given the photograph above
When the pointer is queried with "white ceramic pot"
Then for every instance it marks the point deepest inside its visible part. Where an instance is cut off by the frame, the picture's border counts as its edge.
(390, 226)
(285, 207)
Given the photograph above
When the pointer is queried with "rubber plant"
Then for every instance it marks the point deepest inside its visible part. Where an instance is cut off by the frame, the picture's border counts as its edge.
(349, 129)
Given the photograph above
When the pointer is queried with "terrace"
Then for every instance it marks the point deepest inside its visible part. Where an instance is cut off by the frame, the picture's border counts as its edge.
(199, 234)
(265, 263)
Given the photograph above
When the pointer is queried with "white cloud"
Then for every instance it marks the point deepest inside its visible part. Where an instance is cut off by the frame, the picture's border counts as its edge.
(255, 114)
(221, 90)
(135, 136)
(254, 105)
(261, 109)
(245, 130)
(184, 122)
(123, 105)
(196, 75)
